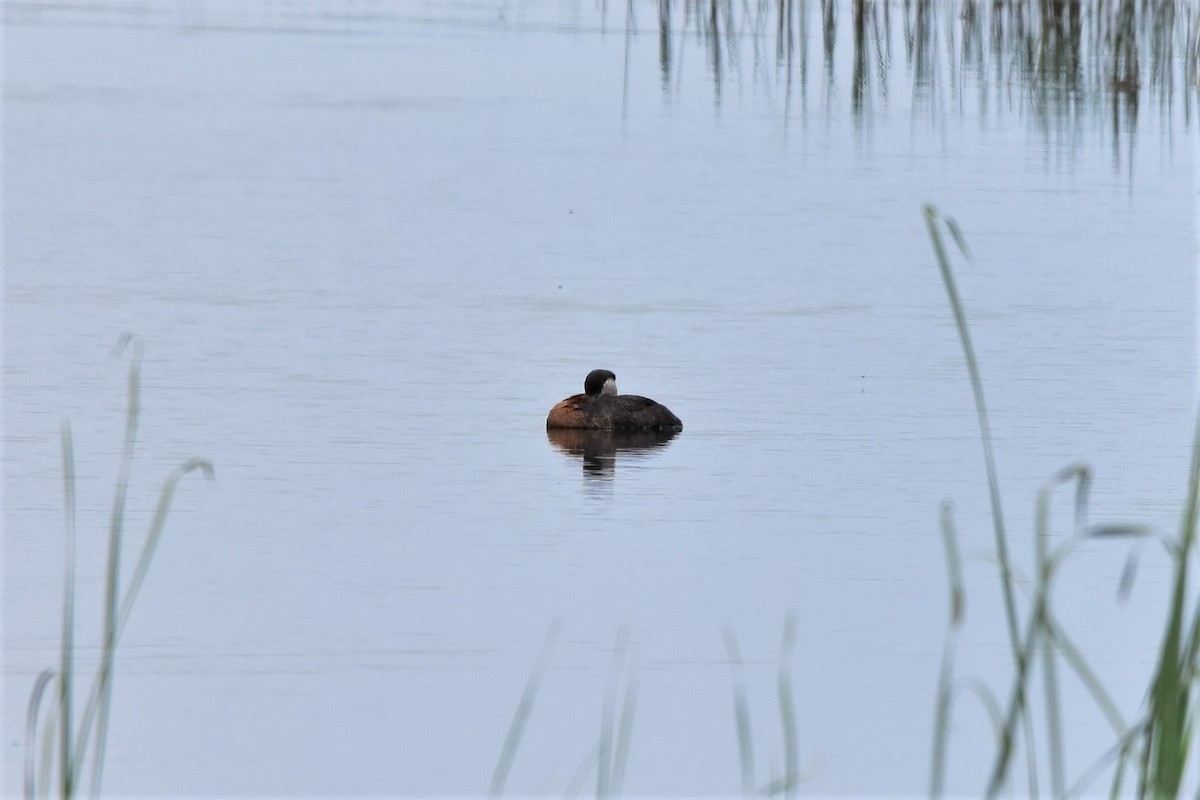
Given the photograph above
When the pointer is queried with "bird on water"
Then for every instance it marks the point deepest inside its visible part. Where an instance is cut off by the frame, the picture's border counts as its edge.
(601, 408)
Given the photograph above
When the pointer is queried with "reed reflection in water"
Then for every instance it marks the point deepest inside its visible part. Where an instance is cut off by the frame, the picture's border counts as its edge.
(1065, 58)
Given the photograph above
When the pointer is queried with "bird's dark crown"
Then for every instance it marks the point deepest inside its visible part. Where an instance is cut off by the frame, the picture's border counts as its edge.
(594, 382)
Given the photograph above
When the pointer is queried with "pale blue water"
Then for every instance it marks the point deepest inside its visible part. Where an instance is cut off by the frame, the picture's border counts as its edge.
(368, 246)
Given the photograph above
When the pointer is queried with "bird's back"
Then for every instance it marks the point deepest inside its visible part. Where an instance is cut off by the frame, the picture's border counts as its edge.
(623, 412)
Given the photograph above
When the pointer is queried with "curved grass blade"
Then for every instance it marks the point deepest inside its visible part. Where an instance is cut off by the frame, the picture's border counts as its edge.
(31, 718)
(93, 705)
(987, 699)
(1021, 652)
(73, 742)
(156, 528)
(932, 217)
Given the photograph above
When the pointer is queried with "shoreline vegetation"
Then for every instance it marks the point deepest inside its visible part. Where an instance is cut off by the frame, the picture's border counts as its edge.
(1154, 747)
(1149, 753)
(56, 744)
(1067, 64)
(1151, 750)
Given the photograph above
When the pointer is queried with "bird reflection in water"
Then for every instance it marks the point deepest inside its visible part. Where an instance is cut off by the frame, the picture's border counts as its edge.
(598, 449)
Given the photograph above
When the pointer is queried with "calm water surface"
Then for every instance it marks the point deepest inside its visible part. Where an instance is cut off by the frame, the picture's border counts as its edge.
(368, 246)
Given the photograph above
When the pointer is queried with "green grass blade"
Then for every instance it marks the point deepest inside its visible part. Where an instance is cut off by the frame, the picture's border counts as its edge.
(932, 217)
(67, 661)
(1078, 664)
(31, 719)
(1118, 530)
(1117, 754)
(1193, 639)
(1128, 574)
(786, 783)
(1020, 651)
(787, 708)
(741, 713)
(941, 726)
(956, 233)
(989, 702)
(508, 753)
(1046, 563)
(1125, 757)
(72, 741)
(112, 588)
(1016, 714)
(156, 528)
(604, 763)
(958, 593)
(1081, 474)
(1167, 737)
(624, 736)
(575, 785)
(1054, 729)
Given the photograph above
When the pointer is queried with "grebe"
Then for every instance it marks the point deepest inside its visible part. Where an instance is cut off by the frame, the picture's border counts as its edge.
(601, 408)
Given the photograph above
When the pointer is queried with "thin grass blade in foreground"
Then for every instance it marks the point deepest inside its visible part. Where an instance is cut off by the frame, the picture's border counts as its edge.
(66, 674)
(73, 742)
(1020, 650)
(932, 220)
(112, 585)
(1045, 637)
(613, 747)
(1168, 733)
(941, 725)
(31, 728)
(156, 528)
(741, 713)
(787, 715)
(612, 752)
(166, 495)
(1165, 733)
(778, 784)
(1082, 475)
(624, 735)
(508, 753)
